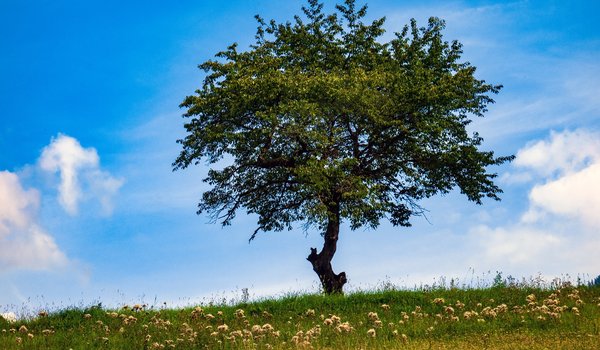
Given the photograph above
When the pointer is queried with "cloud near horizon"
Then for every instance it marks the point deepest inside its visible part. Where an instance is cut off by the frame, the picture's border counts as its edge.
(80, 174)
(560, 227)
(23, 243)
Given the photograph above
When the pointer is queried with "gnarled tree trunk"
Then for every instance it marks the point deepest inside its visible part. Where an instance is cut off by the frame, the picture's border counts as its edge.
(321, 262)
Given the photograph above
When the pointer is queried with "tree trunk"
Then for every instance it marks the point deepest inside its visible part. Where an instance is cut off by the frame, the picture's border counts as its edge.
(332, 283)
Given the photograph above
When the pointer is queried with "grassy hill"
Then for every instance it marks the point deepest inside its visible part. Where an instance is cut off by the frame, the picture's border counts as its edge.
(492, 318)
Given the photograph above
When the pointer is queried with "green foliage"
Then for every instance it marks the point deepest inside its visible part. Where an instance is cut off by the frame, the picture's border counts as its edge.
(320, 113)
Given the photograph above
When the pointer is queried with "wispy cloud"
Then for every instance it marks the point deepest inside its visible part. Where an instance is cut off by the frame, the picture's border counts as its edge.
(80, 174)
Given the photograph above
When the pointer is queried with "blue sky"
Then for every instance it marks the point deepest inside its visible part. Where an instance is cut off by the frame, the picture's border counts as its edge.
(90, 210)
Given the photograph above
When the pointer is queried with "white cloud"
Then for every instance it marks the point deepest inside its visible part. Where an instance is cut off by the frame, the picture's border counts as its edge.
(80, 174)
(575, 196)
(23, 243)
(568, 169)
(564, 153)
(16, 204)
(559, 230)
(515, 245)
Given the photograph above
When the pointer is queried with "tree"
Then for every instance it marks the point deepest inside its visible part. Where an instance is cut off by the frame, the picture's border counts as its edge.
(321, 123)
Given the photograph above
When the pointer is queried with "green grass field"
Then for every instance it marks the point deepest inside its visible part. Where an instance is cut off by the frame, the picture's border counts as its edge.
(492, 318)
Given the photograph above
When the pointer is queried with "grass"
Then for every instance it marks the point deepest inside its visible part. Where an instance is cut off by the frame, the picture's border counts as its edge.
(493, 318)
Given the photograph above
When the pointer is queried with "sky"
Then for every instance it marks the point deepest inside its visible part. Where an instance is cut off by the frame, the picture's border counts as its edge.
(91, 211)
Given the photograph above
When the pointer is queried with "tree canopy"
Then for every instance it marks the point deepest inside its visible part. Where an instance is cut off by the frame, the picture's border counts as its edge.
(321, 122)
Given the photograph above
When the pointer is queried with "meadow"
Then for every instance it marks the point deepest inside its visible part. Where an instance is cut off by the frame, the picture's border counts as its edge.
(499, 317)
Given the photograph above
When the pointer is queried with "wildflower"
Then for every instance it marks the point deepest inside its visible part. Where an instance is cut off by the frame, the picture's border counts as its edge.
(501, 308)
(575, 310)
(42, 314)
(310, 313)
(209, 317)
(344, 328)
(29, 335)
(129, 320)
(439, 301)
(335, 319)
(328, 322)
(214, 334)
(395, 333)
(87, 316)
(136, 307)
(313, 332)
(267, 328)
(372, 316)
(517, 309)
(23, 329)
(385, 307)
(530, 298)
(459, 305)
(239, 313)
(377, 323)
(404, 337)
(112, 314)
(371, 333)
(574, 294)
(237, 334)
(449, 310)
(9, 316)
(223, 328)
(454, 319)
(489, 312)
(19, 340)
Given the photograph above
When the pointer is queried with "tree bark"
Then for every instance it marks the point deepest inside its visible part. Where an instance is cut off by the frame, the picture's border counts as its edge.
(321, 262)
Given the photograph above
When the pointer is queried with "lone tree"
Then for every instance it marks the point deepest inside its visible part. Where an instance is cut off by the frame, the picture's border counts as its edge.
(323, 122)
